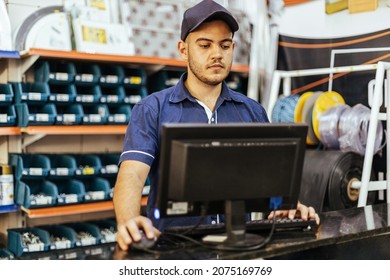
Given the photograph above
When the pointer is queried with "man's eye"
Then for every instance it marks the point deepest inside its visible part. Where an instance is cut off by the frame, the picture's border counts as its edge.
(204, 46)
(226, 47)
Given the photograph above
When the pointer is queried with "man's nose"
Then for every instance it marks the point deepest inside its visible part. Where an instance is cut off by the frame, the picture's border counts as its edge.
(216, 51)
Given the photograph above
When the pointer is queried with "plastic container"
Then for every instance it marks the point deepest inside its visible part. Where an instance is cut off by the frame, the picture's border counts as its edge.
(30, 166)
(27, 240)
(62, 93)
(112, 94)
(69, 114)
(7, 115)
(163, 79)
(109, 164)
(119, 114)
(6, 254)
(28, 114)
(62, 166)
(111, 75)
(86, 233)
(96, 189)
(36, 193)
(134, 95)
(87, 74)
(111, 180)
(6, 94)
(88, 94)
(95, 114)
(87, 165)
(134, 77)
(61, 237)
(55, 71)
(70, 191)
(31, 93)
(107, 230)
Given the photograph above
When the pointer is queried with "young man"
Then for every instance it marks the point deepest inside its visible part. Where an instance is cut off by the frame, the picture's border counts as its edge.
(201, 95)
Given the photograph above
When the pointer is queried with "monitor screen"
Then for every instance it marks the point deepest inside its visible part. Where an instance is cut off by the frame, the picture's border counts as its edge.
(254, 166)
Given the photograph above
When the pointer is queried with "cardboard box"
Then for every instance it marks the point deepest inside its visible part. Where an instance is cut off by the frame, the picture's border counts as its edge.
(358, 6)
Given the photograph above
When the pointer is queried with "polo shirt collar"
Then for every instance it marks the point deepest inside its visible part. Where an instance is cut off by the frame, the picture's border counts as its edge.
(181, 93)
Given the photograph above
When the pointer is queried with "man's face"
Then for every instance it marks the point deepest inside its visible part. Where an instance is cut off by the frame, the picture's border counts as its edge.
(210, 52)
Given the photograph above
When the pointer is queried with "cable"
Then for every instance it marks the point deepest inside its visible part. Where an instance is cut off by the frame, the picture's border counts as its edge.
(224, 247)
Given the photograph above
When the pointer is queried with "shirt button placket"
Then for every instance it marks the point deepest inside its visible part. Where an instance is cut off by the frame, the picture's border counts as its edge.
(212, 120)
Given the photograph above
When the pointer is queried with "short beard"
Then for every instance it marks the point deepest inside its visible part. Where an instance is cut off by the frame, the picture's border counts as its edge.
(197, 71)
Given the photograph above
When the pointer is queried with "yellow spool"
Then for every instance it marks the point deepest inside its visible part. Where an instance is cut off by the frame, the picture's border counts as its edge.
(325, 101)
(299, 107)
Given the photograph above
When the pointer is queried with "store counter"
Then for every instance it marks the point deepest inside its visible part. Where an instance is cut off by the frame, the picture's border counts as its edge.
(356, 233)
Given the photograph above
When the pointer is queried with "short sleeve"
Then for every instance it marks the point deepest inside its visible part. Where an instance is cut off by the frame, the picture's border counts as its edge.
(141, 139)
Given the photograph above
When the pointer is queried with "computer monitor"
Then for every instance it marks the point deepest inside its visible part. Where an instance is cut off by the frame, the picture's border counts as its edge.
(230, 169)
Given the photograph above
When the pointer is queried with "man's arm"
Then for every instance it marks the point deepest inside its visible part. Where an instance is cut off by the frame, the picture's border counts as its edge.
(127, 203)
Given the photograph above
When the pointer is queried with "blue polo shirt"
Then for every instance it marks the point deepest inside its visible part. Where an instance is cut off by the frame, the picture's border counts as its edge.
(177, 105)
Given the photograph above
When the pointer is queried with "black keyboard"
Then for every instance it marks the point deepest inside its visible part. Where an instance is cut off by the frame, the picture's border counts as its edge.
(251, 226)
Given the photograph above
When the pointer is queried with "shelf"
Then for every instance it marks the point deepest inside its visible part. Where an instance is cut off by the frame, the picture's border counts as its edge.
(9, 54)
(140, 60)
(75, 130)
(72, 209)
(5, 131)
(8, 208)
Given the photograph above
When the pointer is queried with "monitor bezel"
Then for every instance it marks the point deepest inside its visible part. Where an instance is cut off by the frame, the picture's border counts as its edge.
(201, 131)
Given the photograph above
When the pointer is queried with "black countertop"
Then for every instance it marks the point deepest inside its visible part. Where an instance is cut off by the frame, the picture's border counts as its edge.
(355, 233)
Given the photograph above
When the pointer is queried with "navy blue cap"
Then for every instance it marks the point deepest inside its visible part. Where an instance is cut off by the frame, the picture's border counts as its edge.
(205, 10)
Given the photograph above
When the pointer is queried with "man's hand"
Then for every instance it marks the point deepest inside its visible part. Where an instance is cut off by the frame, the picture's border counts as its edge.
(302, 212)
(129, 232)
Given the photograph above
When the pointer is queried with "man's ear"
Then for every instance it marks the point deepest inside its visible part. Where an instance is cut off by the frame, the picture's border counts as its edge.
(182, 48)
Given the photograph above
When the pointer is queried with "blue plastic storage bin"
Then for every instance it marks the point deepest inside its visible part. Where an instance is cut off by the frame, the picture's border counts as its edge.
(6, 254)
(112, 95)
(27, 240)
(31, 93)
(119, 114)
(163, 79)
(86, 233)
(96, 189)
(62, 165)
(88, 94)
(6, 94)
(87, 165)
(111, 180)
(109, 164)
(70, 191)
(29, 114)
(107, 230)
(7, 115)
(36, 193)
(134, 77)
(95, 114)
(62, 93)
(61, 237)
(87, 73)
(55, 71)
(134, 95)
(30, 166)
(69, 114)
(111, 75)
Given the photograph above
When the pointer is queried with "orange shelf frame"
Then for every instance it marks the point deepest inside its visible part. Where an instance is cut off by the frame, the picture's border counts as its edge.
(140, 60)
(75, 130)
(82, 208)
(5, 131)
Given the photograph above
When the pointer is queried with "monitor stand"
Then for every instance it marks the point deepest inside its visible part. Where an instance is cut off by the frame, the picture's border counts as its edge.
(235, 223)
